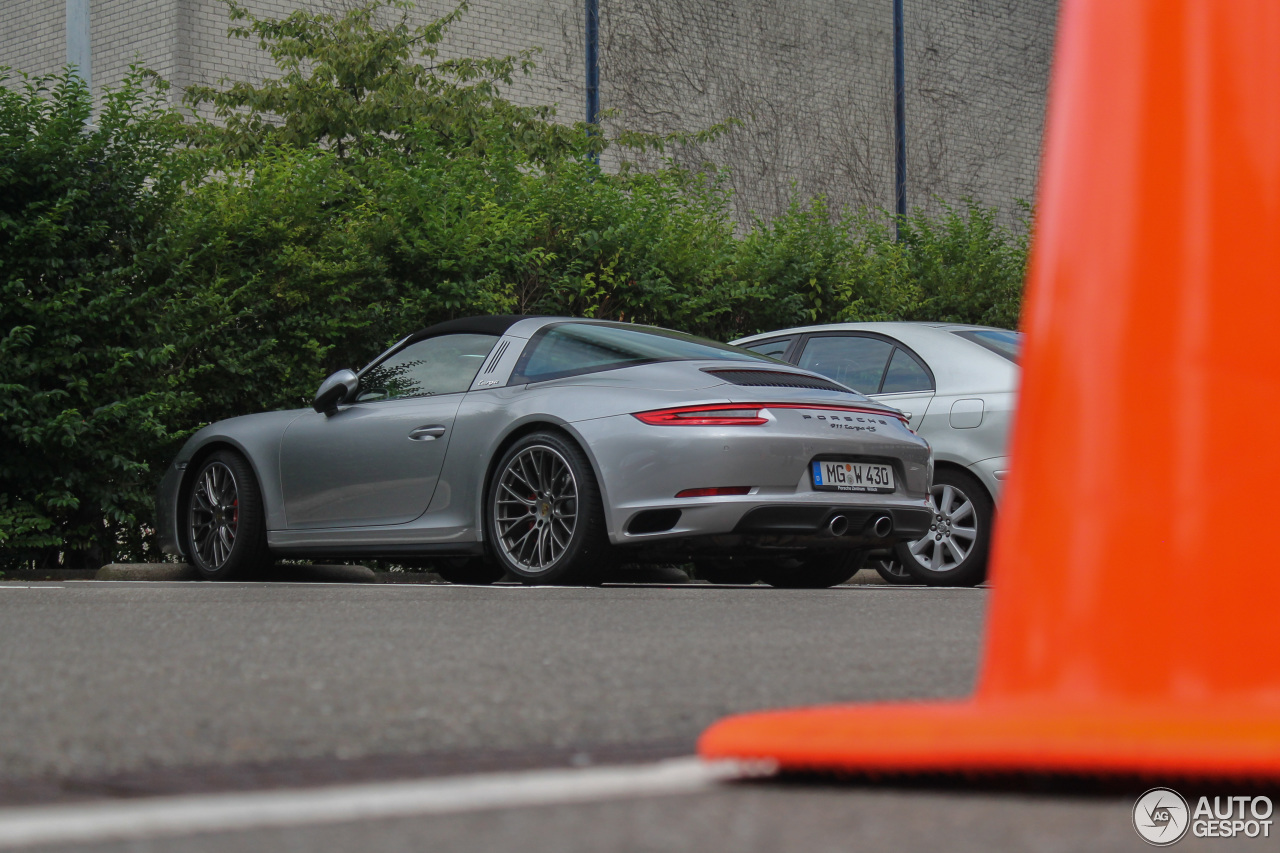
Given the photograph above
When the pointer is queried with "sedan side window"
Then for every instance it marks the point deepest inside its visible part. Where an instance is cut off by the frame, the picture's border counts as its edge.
(774, 348)
(851, 360)
(442, 365)
(905, 374)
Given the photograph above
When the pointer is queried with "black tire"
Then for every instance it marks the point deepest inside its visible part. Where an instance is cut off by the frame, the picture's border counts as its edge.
(474, 571)
(560, 552)
(224, 523)
(891, 570)
(941, 547)
(727, 570)
(818, 570)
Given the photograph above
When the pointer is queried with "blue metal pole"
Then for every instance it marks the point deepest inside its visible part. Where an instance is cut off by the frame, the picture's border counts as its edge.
(899, 118)
(593, 65)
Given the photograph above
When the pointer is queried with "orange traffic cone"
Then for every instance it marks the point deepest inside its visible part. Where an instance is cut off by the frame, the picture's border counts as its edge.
(1133, 622)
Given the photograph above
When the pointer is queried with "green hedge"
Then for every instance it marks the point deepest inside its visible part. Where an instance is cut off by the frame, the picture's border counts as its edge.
(159, 274)
(84, 406)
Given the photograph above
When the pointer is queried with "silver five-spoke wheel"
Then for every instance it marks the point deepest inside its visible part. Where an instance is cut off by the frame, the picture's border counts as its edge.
(536, 508)
(215, 515)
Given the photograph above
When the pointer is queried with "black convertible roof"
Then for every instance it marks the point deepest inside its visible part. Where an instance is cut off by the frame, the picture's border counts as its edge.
(496, 324)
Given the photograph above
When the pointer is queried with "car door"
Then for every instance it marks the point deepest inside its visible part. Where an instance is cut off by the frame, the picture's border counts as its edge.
(376, 460)
(907, 385)
(875, 365)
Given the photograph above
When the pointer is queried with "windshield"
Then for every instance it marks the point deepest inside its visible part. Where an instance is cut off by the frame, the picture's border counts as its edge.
(570, 349)
(1000, 341)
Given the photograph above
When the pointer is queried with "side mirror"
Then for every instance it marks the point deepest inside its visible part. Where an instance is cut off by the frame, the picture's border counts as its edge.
(334, 390)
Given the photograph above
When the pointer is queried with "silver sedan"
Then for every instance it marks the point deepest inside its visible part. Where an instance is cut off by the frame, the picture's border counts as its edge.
(958, 386)
(546, 448)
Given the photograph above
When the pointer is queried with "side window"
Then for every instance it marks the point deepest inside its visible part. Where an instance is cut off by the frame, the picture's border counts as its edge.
(905, 374)
(851, 360)
(775, 348)
(443, 365)
(573, 349)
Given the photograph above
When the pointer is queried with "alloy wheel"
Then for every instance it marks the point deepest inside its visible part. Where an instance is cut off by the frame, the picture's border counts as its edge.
(215, 515)
(952, 534)
(891, 566)
(536, 508)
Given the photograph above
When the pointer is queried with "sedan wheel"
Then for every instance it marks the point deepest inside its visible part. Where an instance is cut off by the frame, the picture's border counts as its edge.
(545, 519)
(226, 528)
(891, 570)
(954, 551)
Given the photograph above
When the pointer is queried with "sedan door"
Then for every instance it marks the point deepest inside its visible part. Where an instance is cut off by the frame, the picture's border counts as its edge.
(377, 460)
(875, 365)
(907, 385)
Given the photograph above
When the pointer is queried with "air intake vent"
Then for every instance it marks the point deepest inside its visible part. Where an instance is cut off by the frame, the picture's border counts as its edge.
(654, 521)
(776, 379)
(497, 356)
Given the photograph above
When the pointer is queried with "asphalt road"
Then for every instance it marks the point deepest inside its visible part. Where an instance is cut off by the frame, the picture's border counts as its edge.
(123, 689)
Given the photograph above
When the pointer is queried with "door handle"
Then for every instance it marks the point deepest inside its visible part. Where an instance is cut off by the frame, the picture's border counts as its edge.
(427, 433)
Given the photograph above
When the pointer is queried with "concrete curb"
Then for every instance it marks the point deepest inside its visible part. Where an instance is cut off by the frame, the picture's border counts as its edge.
(50, 575)
(321, 573)
(146, 572)
(408, 577)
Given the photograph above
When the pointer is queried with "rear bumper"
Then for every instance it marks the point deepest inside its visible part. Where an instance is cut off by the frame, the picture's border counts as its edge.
(906, 523)
(785, 527)
(641, 469)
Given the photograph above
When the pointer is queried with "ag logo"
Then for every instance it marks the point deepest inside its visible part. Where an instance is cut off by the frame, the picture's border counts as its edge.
(1161, 816)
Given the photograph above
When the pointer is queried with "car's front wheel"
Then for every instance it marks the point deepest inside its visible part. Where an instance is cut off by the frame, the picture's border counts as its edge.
(954, 551)
(226, 527)
(544, 518)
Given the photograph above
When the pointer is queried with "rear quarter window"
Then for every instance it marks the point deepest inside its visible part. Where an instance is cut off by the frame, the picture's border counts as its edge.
(1002, 342)
(572, 349)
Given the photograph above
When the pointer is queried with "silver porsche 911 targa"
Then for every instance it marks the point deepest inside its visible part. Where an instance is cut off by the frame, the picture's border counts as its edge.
(546, 448)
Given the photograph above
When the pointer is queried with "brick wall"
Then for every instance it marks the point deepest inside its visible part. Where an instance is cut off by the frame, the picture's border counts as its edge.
(33, 37)
(811, 78)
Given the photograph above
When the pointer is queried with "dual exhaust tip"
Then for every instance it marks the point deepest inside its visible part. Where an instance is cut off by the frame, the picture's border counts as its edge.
(881, 527)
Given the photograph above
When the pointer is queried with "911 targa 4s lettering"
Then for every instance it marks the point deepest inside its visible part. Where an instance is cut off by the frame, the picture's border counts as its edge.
(547, 448)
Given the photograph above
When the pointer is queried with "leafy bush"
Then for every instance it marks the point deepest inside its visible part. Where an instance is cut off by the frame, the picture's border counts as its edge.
(83, 412)
(349, 83)
(149, 287)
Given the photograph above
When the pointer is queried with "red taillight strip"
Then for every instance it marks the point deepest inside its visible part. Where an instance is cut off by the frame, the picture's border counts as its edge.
(716, 414)
(743, 414)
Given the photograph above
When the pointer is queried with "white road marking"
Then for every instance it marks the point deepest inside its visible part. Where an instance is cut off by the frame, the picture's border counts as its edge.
(188, 815)
(41, 586)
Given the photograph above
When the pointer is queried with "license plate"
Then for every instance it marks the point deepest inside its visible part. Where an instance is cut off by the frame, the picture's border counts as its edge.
(852, 477)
